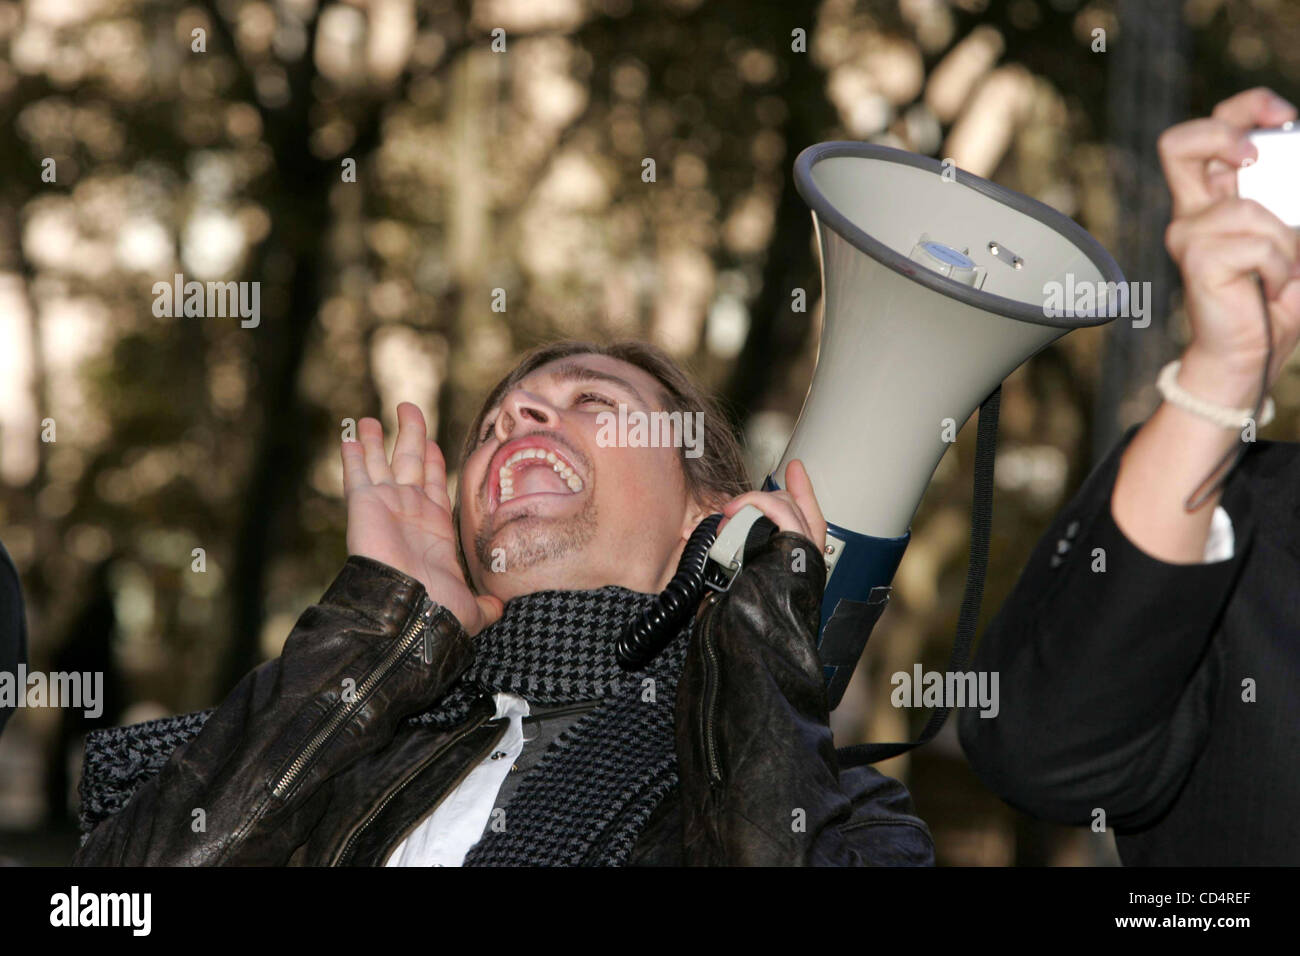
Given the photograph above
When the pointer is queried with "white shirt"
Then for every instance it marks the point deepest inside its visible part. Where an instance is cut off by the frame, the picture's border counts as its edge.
(1220, 543)
(456, 824)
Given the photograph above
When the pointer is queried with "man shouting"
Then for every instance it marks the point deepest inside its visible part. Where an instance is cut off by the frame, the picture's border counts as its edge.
(455, 698)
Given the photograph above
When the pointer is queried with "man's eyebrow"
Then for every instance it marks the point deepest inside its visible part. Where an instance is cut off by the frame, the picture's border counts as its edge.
(577, 372)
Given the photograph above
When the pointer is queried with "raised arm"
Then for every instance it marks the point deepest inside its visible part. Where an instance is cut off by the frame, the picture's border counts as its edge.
(1218, 241)
(760, 784)
(388, 638)
(1104, 650)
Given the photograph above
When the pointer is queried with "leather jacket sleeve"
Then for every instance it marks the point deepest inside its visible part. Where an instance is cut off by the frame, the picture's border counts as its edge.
(760, 784)
(251, 786)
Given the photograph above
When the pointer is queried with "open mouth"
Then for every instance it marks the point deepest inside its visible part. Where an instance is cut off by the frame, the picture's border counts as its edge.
(535, 468)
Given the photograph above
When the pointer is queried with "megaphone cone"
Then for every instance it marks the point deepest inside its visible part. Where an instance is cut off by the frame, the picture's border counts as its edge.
(936, 285)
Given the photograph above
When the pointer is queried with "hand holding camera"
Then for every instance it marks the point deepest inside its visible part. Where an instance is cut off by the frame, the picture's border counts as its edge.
(1220, 239)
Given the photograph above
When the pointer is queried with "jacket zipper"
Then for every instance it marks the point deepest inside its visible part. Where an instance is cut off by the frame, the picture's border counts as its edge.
(409, 639)
(565, 711)
(342, 857)
(710, 696)
(583, 707)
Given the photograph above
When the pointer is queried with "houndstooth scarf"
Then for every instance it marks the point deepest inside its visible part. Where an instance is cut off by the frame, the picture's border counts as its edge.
(586, 801)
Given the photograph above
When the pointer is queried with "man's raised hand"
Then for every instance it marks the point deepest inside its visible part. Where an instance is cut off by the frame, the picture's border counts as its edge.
(1219, 241)
(399, 513)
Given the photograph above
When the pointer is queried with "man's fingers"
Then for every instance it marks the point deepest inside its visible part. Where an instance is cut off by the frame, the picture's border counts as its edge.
(1229, 216)
(435, 475)
(408, 450)
(1200, 158)
(800, 485)
(354, 467)
(1221, 259)
(1257, 107)
(1187, 149)
(371, 434)
(777, 506)
(1253, 109)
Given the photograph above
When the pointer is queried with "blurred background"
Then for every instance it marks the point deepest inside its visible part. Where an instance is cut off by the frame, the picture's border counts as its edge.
(388, 177)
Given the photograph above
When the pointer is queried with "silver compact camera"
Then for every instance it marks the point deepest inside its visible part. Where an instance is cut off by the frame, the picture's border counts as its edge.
(1273, 180)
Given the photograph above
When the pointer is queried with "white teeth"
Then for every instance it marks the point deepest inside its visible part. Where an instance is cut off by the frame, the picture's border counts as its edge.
(559, 466)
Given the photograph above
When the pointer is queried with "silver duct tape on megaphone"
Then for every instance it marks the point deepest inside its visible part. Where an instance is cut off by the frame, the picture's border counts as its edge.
(936, 285)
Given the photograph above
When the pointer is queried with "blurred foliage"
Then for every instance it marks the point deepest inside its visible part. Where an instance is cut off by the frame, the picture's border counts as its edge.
(214, 139)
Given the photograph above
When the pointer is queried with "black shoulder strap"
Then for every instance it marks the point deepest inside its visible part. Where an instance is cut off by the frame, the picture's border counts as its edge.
(986, 441)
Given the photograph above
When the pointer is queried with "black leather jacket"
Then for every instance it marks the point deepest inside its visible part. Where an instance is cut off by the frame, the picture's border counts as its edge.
(287, 771)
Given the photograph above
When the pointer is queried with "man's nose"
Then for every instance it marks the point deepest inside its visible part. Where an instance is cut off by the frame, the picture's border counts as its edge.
(521, 407)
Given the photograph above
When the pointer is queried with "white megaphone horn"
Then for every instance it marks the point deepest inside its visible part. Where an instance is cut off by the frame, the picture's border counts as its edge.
(936, 285)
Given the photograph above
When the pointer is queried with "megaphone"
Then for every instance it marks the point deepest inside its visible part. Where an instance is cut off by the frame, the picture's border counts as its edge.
(936, 285)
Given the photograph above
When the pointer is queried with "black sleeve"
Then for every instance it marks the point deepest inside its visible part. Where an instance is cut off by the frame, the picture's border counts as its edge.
(262, 768)
(1105, 672)
(13, 624)
(760, 780)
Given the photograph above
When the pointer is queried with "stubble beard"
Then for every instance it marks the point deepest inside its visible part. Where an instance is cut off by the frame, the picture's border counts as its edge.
(529, 540)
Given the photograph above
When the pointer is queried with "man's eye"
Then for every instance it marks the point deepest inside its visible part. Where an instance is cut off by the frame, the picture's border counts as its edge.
(586, 397)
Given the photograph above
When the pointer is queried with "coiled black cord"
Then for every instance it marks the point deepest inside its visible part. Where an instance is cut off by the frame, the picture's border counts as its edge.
(661, 622)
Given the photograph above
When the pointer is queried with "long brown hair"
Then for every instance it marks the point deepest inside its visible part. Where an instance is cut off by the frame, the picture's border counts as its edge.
(716, 476)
